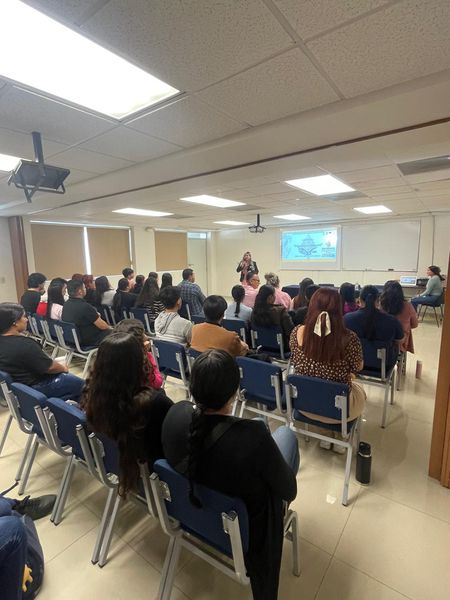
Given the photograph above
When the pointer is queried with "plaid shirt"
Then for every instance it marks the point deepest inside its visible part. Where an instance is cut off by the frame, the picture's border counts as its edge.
(192, 294)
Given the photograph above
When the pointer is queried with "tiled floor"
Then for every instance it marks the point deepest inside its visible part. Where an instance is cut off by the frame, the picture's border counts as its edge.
(391, 542)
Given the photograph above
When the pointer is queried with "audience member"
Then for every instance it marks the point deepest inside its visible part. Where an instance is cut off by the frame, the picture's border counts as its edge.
(300, 299)
(250, 286)
(128, 273)
(120, 404)
(166, 280)
(169, 324)
(369, 323)
(139, 284)
(267, 314)
(55, 298)
(137, 329)
(238, 310)
(299, 316)
(280, 296)
(123, 298)
(92, 328)
(212, 335)
(238, 457)
(191, 294)
(58, 282)
(149, 299)
(89, 284)
(434, 287)
(154, 275)
(325, 348)
(246, 265)
(347, 292)
(104, 294)
(393, 303)
(32, 296)
(77, 276)
(25, 361)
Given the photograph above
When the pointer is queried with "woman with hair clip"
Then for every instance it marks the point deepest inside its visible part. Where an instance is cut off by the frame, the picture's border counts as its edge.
(237, 310)
(434, 287)
(325, 348)
(120, 404)
(267, 314)
(393, 303)
(300, 299)
(239, 457)
(370, 323)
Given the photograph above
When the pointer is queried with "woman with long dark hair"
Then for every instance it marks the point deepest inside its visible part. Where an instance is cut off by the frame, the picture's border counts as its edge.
(55, 298)
(166, 280)
(139, 284)
(393, 303)
(238, 457)
(123, 298)
(267, 314)
(300, 299)
(238, 310)
(89, 284)
(347, 292)
(104, 294)
(120, 404)
(149, 298)
(434, 287)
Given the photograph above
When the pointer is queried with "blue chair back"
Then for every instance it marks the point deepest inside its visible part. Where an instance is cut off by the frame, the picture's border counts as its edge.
(237, 325)
(38, 319)
(317, 396)
(256, 379)
(67, 417)
(7, 379)
(271, 339)
(68, 329)
(28, 398)
(197, 319)
(372, 363)
(51, 328)
(141, 315)
(111, 456)
(193, 353)
(205, 522)
(166, 355)
(183, 312)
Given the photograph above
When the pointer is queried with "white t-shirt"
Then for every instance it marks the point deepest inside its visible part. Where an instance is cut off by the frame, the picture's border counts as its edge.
(244, 312)
(56, 312)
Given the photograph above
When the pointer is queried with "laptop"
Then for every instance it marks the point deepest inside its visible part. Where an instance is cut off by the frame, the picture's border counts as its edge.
(408, 281)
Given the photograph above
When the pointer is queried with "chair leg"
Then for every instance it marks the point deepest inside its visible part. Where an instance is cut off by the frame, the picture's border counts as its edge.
(307, 438)
(27, 470)
(63, 491)
(436, 316)
(385, 405)
(348, 466)
(104, 524)
(24, 457)
(169, 569)
(5, 432)
(295, 546)
(392, 386)
(109, 533)
(424, 312)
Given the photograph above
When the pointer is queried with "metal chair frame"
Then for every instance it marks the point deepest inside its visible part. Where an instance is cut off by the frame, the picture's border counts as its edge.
(434, 307)
(5, 393)
(77, 351)
(279, 337)
(184, 367)
(242, 329)
(385, 381)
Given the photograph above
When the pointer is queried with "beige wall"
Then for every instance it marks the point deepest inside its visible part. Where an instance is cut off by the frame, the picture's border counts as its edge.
(8, 291)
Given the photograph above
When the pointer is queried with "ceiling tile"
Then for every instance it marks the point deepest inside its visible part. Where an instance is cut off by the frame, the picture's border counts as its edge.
(311, 18)
(67, 10)
(407, 40)
(284, 85)
(21, 145)
(27, 112)
(84, 160)
(76, 176)
(187, 122)
(129, 144)
(189, 44)
(375, 174)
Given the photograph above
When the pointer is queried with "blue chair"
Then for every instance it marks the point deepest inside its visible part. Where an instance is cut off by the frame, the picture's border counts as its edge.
(107, 314)
(216, 532)
(237, 325)
(50, 336)
(270, 340)
(377, 372)
(262, 383)
(69, 341)
(434, 303)
(197, 319)
(5, 383)
(172, 360)
(141, 314)
(36, 332)
(326, 399)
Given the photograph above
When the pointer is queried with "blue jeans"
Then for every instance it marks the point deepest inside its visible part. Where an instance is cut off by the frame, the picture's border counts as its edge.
(63, 385)
(13, 548)
(428, 300)
(286, 440)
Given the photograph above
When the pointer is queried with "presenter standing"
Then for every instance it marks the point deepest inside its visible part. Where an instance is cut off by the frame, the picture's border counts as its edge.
(247, 265)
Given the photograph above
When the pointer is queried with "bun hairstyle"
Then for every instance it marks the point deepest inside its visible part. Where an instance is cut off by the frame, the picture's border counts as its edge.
(436, 271)
(272, 279)
(238, 293)
(369, 295)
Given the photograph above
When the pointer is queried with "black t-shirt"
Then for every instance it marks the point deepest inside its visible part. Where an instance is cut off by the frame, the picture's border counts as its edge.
(30, 300)
(83, 315)
(23, 359)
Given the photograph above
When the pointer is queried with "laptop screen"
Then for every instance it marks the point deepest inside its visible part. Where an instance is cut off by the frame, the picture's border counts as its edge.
(407, 280)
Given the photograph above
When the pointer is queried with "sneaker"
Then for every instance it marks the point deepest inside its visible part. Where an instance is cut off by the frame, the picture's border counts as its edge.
(35, 508)
(325, 445)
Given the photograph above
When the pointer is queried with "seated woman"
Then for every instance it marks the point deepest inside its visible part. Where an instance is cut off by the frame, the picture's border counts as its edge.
(280, 296)
(120, 404)
(325, 348)
(89, 284)
(433, 290)
(245, 460)
(299, 316)
(123, 298)
(166, 281)
(149, 298)
(55, 298)
(138, 284)
(393, 303)
(267, 314)
(370, 323)
(347, 292)
(300, 299)
(238, 310)
(104, 294)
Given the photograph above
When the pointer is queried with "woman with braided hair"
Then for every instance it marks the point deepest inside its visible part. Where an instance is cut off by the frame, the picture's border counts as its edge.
(238, 457)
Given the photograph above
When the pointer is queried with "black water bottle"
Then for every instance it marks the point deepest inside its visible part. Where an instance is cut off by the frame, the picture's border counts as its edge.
(363, 463)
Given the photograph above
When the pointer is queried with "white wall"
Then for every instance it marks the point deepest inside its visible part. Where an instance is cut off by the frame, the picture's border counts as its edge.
(8, 291)
(228, 246)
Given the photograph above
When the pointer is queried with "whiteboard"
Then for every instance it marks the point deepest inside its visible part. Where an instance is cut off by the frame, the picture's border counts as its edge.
(381, 246)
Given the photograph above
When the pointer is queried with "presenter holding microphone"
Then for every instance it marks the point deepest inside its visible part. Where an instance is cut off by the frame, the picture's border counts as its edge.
(247, 265)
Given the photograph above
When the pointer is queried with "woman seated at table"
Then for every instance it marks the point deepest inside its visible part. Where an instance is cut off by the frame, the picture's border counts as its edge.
(244, 460)
(393, 303)
(325, 348)
(300, 299)
(267, 314)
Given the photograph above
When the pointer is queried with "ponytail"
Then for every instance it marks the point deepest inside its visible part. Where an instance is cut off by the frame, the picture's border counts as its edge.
(369, 295)
(197, 432)
(238, 308)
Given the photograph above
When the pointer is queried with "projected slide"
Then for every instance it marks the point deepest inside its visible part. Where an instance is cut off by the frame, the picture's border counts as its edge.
(314, 245)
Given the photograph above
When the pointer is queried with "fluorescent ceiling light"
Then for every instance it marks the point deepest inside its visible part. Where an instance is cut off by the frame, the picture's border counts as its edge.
(142, 212)
(41, 53)
(212, 201)
(7, 162)
(373, 210)
(230, 223)
(321, 185)
(291, 217)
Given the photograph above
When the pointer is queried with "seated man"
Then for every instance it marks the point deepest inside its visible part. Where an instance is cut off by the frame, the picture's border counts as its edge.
(211, 334)
(191, 293)
(93, 329)
(168, 324)
(32, 296)
(25, 361)
(250, 285)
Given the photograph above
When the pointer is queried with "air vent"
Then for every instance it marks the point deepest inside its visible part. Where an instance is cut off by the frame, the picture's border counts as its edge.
(344, 196)
(415, 167)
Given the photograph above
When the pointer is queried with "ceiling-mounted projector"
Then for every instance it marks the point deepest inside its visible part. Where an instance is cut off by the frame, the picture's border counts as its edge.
(258, 228)
(35, 176)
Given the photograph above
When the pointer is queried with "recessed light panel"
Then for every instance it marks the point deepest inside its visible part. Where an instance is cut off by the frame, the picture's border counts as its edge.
(41, 53)
(142, 212)
(7, 162)
(230, 223)
(321, 185)
(291, 217)
(212, 201)
(373, 210)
